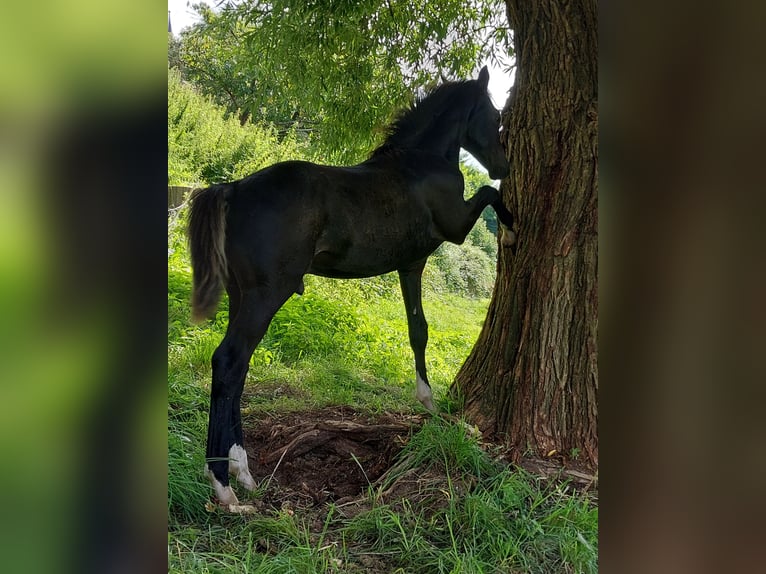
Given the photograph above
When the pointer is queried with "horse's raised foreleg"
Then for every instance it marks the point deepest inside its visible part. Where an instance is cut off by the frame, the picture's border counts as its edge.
(410, 280)
(456, 220)
(488, 195)
(505, 219)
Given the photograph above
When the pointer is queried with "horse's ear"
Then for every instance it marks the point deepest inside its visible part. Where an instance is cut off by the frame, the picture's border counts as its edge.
(484, 78)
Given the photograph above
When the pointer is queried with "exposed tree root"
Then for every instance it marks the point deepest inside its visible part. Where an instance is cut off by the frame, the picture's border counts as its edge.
(345, 438)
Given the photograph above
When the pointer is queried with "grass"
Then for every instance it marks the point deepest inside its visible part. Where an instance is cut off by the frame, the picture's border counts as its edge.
(472, 515)
(445, 505)
(466, 515)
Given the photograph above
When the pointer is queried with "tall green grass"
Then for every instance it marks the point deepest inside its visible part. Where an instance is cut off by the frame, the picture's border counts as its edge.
(474, 515)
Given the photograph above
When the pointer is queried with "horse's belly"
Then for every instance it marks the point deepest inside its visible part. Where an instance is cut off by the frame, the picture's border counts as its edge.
(328, 264)
(354, 262)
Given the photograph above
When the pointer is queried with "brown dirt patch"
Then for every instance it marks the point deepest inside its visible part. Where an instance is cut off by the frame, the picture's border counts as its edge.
(308, 458)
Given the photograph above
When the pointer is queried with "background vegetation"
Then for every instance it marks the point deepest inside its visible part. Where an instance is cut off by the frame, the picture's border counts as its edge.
(335, 71)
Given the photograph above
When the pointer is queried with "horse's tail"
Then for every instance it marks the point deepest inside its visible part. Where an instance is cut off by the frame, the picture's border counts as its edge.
(207, 234)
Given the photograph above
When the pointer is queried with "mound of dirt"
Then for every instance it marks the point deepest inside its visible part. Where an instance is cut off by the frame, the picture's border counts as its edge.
(332, 454)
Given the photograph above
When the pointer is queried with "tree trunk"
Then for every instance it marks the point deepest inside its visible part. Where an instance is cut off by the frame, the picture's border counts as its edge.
(532, 376)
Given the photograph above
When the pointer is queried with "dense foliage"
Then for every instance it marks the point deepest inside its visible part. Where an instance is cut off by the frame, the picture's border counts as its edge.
(336, 70)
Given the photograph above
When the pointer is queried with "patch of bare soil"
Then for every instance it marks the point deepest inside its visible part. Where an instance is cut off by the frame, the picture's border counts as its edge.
(313, 457)
(333, 454)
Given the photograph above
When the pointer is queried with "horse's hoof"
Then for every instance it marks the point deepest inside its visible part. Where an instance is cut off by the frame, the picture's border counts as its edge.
(507, 237)
(224, 494)
(239, 468)
(429, 405)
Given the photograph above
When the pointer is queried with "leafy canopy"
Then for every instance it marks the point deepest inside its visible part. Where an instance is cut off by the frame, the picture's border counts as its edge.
(337, 70)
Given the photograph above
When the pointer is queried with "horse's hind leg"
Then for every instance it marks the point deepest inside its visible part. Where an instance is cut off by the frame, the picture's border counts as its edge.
(229, 363)
(225, 449)
(410, 281)
(237, 456)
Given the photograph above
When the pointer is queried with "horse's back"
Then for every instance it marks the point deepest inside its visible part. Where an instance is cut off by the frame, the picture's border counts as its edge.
(279, 182)
(354, 221)
(379, 177)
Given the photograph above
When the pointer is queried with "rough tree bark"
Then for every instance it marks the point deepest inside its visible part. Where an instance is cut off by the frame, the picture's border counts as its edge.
(532, 375)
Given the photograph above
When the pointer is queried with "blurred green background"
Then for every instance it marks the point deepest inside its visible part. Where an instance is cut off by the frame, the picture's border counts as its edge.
(80, 411)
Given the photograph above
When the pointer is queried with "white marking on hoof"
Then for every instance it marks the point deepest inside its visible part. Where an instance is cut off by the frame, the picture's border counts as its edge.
(238, 467)
(241, 508)
(424, 394)
(223, 493)
(507, 236)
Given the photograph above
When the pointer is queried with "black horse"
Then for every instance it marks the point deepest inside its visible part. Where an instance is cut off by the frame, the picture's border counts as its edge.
(260, 235)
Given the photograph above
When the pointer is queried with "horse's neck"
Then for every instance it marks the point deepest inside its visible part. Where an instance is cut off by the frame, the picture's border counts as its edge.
(443, 136)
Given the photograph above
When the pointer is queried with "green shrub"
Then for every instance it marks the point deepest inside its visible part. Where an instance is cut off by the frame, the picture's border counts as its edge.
(465, 270)
(205, 146)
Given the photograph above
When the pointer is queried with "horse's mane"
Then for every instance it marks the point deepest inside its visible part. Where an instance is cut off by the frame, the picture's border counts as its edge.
(420, 114)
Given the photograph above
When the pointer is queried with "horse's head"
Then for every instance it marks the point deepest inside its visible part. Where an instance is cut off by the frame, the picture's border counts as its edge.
(482, 136)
